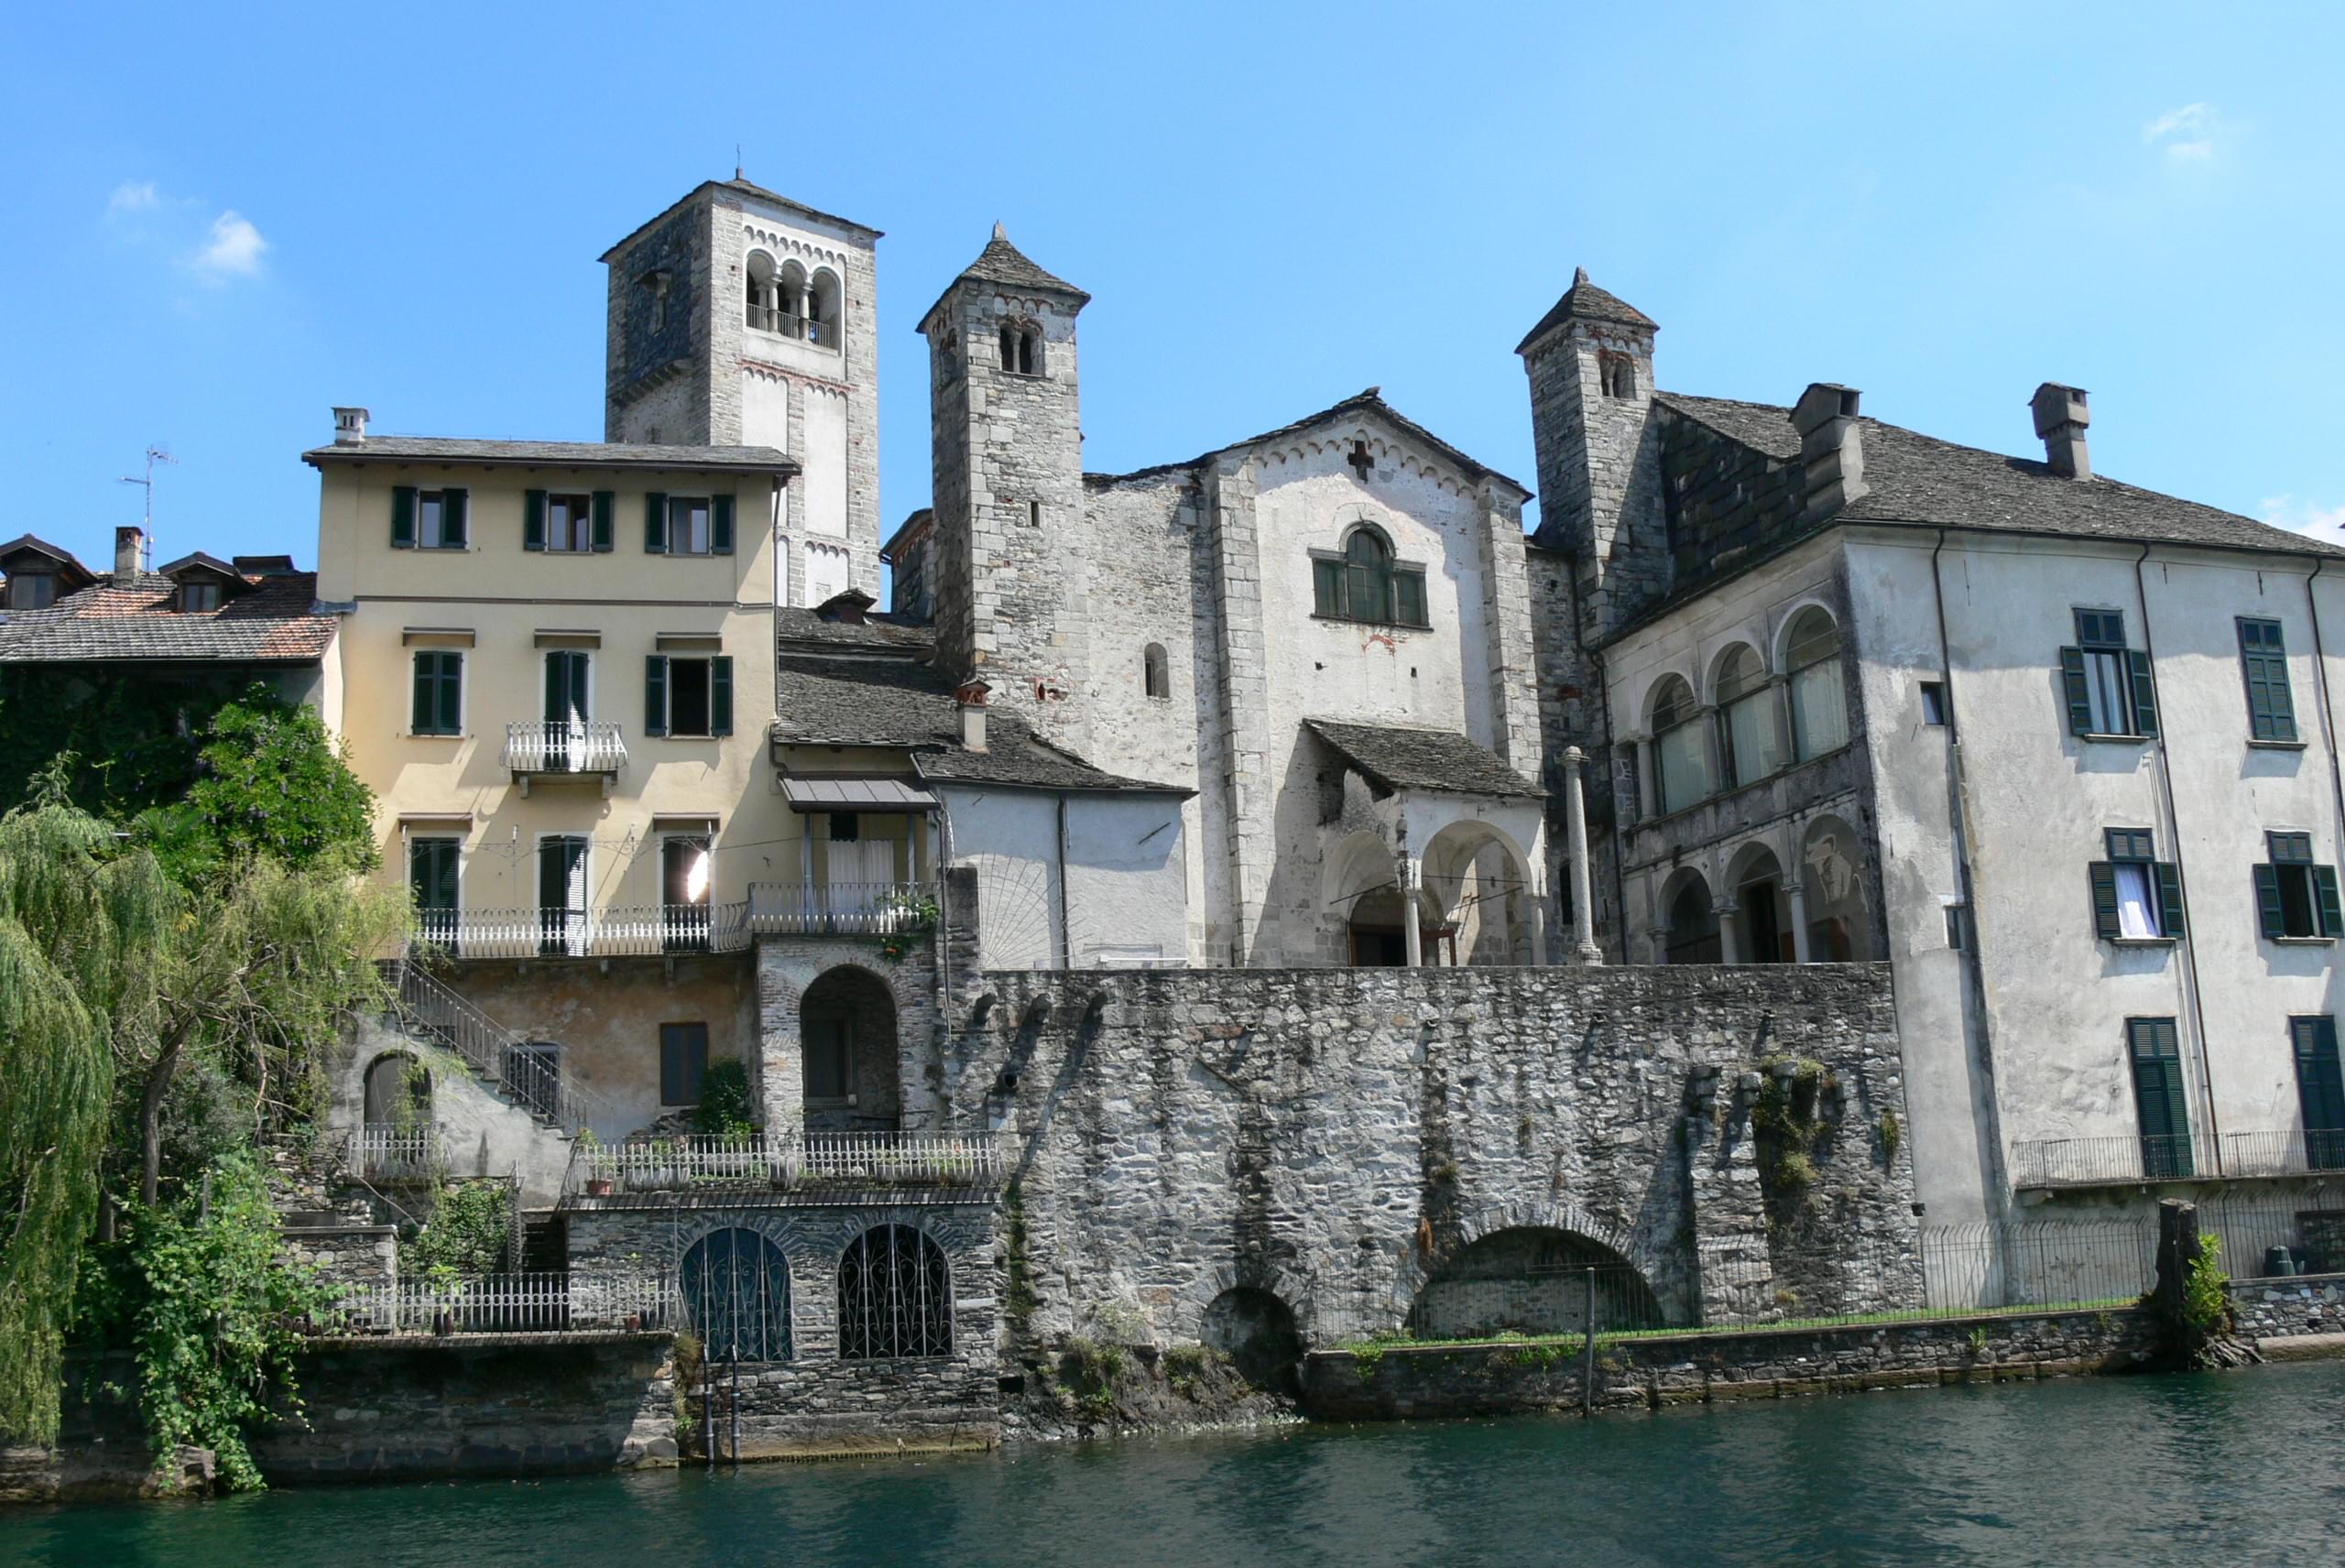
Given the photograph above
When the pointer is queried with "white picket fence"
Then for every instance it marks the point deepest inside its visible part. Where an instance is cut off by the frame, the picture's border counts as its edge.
(505, 1303)
(882, 1159)
(398, 1154)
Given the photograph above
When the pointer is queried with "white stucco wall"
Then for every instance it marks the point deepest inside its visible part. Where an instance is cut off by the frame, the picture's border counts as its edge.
(1125, 876)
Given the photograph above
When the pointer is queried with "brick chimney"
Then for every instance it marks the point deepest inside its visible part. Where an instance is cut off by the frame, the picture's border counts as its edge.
(350, 427)
(1831, 446)
(971, 695)
(2060, 419)
(129, 551)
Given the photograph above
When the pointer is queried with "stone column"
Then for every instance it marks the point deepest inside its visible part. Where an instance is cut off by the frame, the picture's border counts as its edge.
(1795, 894)
(1583, 885)
(1730, 939)
(1714, 739)
(1648, 778)
(806, 309)
(1783, 685)
(1412, 938)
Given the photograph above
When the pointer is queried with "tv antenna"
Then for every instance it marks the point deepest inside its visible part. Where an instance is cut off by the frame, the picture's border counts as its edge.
(155, 455)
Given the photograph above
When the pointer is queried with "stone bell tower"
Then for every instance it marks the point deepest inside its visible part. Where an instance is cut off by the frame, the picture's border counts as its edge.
(740, 318)
(1011, 552)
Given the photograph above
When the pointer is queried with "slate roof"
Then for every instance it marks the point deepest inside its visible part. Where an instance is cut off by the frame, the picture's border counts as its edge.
(740, 187)
(878, 632)
(555, 455)
(129, 618)
(1001, 262)
(1918, 479)
(827, 699)
(1398, 756)
(1370, 401)
(1587, 302)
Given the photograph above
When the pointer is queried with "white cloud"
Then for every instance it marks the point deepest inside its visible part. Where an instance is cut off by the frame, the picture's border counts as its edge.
(134, 196)
(2303, 516)
(232, 249)
(2187, 133)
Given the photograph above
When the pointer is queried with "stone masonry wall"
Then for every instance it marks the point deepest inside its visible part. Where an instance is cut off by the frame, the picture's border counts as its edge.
(2272, 1309)
(1334, 1136)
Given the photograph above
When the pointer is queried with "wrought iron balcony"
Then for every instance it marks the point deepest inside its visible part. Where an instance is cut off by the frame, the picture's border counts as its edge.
(841, 908)
(2129, 1160)
(538, 749)
(813, 1164)
(640, 931)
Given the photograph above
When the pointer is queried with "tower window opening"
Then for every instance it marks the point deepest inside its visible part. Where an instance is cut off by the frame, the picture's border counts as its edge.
(1618, 375)
(1022, 349)
(1156, 672)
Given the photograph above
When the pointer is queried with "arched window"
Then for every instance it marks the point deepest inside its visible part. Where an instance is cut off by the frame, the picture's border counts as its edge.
(895, 1296)
(1681, 747)
(790, 300)
(736, 1296)
(1754, 745)
(763, 301)
(1364, 584)
(1693, 925)
(1021, 348)
(1155, 670)
(822, 311)
(1819, 695)
(1618, 375)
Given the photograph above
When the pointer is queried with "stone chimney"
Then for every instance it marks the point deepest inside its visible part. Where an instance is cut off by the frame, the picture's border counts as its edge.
(129, 551)
(350, 427)
(971, 695)
(2060, 419)
(1831, 446)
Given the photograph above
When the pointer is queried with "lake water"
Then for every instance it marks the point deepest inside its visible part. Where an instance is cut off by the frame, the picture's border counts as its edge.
(2211, 1471)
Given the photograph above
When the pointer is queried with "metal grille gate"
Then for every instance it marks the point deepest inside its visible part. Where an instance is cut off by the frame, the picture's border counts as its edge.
(895, 1296)
(736, 1296)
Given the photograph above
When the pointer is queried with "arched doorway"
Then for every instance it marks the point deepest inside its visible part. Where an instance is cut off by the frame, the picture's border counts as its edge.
(1533, 1279)
(1256, 1331)
(398, 1092)
(1762, 908)
(736, 1286)
(1692, 919)
(1480, 881)
(846, 1030)
(1379, 939)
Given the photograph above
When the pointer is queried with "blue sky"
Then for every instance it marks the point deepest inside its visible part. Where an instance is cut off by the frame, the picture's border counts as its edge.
(216, 231)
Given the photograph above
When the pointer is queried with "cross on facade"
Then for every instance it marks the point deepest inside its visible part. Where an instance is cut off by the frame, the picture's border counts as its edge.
(1359, 460)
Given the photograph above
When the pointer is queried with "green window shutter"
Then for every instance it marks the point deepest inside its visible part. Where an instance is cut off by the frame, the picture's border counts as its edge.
(553, 874)
(720, 525)
(2072, 676)
(720, 696)
(2324, 892)
(655, 524)
(2104, 898)
(452, 518)
(1327, 587)
(402, 516)
(452, 693)
(655, 695)
(2268, 913)
(2170, 917)
(606, 503)
(533, 519)
(421, 708)
(2145, 695)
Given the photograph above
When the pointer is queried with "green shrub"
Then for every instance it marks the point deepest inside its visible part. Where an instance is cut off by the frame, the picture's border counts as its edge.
(724, 1108)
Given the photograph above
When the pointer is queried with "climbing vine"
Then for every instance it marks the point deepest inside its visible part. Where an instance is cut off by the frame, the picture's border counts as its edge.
(1787, 1119)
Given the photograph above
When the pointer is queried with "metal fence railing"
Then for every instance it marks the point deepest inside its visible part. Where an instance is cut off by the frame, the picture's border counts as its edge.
(505, 1303)
(554, 746)
(398, 1154)
(639, 1166)
(2121, 1159)
(613, 930)
(2268, 1236)
(839, 908)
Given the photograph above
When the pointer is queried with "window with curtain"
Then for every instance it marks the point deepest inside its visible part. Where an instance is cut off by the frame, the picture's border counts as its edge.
(2107, 684)
(1754, 742)
(1681, 748)
(2135, 895)
(1819, 695)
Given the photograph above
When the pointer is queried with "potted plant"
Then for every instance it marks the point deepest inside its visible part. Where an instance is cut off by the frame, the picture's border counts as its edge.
(445, 1285)
(599, 1184)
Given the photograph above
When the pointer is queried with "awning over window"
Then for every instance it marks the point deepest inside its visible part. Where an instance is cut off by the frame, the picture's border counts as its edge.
(838, 793)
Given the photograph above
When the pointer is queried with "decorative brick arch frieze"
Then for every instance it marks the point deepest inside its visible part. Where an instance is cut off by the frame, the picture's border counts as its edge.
(1416, 1273)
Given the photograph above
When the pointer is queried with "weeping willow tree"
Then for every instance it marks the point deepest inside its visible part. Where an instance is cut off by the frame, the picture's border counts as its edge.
(81, 927)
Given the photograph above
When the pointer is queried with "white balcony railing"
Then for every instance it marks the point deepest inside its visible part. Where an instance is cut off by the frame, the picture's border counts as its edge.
(841, 908)
(398, 1154)
(955, 1160)
(617, 931)
(505, 1303)
(557, 747)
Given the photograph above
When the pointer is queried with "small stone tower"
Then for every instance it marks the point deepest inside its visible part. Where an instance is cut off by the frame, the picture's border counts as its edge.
(1590, 363)
(740, 318)
(1009, 554)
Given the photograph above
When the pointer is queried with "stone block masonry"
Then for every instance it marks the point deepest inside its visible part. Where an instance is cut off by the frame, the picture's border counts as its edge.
(1335, 1137)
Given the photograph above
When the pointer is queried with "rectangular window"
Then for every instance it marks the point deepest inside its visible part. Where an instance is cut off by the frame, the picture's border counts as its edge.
(2271, 708)
(829, 1044)
(2320, 1092)
(846, 827)
(428, 519)
(2135, 895)
(2296, 900)
(1752, 749)
(569, 523)
(1954, 938)
(562, 895)
(688, 697)
(684, 893)
(687, 525)
(2107, 684)
(199, 598)
(431, 877)
(1933, 702)
(1683, 754)
(438, 700)
(1370, 591)
(32, 590)
(683, 1062)
(2158, 1099)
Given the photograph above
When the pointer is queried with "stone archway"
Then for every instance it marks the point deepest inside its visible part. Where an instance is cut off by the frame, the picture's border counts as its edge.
(1538, 1279)
(1257, 1332)
(846, 1032)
